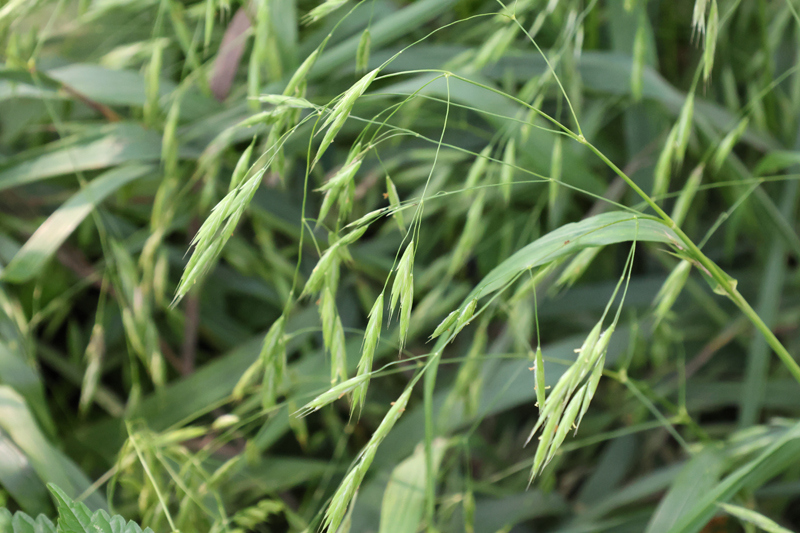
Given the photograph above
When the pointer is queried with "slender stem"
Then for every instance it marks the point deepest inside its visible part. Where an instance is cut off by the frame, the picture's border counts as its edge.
(711, 268)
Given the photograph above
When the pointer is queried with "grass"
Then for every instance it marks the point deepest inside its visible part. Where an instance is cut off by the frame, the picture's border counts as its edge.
(292, 266)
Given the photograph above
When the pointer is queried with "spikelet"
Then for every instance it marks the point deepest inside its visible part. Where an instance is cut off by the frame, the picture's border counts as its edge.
(406, 303)
(273, 356)
(555, 178)
(240, 171)
(300, 74)
(445, 324)
(362, 52)
(394, 203)
(323, 10)
(710, 40)
(663, 170)
(402, 276)
(684, 129)
(699, 16)
(478, 168)
(507, 170)
(343, 496)
(465, 317)
(341, 111)
(338, 352)
(473, 229)
(591, 387)
(566, 422)
(727, 144)
(577, 267)
(670, 290)
(538, 368)
(639, 52)
(281, 100)
(332, 394)
(371, 337)
(684, 201)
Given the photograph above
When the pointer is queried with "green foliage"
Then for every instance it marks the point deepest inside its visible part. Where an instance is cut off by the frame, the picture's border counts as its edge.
(298, 266)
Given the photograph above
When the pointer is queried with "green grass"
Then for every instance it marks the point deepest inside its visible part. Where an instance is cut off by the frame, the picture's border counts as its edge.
(291, 266)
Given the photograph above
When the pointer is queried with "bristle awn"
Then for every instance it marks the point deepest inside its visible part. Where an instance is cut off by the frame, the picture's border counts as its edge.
(684, 201)
(394, 202)
(371, 337)
(362, 52)
(478, 168)
(507, 170)
(540, 382)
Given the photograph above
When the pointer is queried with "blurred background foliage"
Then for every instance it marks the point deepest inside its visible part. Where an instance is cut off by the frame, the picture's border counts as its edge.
(122, 122)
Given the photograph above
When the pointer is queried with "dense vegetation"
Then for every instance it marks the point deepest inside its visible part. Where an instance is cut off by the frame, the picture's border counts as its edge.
(299, 266)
